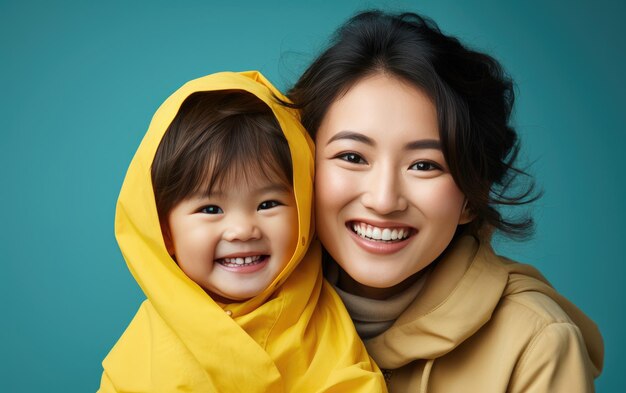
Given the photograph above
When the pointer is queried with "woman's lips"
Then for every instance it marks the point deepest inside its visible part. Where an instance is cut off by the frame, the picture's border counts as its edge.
(380, 233)
(376, 239)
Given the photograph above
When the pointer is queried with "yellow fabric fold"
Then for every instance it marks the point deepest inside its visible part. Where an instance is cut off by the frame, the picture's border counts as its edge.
(296, 336)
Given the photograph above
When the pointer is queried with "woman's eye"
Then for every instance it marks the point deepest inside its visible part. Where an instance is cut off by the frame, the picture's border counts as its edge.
(424, 166)
(352, 157)
(268, 205)
(211, 209)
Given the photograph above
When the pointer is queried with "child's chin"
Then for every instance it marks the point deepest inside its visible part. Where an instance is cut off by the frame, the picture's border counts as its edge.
(228, 298)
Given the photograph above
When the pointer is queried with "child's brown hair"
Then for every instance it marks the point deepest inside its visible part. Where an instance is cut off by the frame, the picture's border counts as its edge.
(216, 138)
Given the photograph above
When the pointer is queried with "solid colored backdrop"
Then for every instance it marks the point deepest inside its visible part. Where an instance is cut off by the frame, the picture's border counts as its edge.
(79, 82)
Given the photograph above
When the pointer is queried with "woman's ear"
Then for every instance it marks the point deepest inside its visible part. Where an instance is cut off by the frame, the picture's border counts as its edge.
(466, 214)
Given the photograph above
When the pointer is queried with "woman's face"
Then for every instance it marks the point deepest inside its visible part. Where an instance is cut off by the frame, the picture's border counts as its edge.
(386, 203)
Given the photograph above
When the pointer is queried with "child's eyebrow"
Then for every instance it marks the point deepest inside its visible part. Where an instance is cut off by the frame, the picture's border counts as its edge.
(274, 187)
(269, 188)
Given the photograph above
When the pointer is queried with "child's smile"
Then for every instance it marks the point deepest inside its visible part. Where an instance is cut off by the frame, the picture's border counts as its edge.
(244, 262)
(235, 241)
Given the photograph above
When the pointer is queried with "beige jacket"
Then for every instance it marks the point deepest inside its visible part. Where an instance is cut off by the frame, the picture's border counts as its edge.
(485, 324)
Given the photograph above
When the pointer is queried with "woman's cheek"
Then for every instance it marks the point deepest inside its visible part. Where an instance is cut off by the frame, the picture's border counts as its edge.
(440, 198)
(333, 188)
(329, 182)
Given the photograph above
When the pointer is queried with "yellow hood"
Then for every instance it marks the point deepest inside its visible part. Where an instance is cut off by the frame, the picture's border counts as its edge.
(295, 336)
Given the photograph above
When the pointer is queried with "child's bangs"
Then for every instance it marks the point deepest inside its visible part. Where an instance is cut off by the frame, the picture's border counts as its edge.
(219, 140)
(231, 169)
(245, 154)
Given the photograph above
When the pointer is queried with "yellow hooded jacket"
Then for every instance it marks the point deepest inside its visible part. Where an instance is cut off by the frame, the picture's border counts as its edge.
(296, 336)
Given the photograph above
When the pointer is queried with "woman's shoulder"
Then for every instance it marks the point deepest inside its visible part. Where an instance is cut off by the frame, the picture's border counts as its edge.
(530, 298)
(554, 347)
(533, 313)
(531, 295)
(545, 321)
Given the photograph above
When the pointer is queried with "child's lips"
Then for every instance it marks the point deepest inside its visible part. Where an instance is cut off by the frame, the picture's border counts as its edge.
(242, 254)
(241, 260)
(249, 264)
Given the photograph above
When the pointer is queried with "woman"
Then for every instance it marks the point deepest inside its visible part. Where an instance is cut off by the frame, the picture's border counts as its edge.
(414, 152)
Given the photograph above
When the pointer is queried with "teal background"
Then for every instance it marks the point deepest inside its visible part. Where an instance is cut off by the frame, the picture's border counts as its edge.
(79, 82)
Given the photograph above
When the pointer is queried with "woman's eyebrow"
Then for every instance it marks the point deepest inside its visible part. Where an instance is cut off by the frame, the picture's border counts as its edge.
(423, 144)
(355, 136)
(351, 135)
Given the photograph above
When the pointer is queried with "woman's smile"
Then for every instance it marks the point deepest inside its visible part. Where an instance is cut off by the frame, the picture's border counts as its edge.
(386, 203)
(380, 239)
(380, 233)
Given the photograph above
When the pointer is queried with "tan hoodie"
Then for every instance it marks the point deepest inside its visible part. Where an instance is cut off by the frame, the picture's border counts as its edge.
(484, 324)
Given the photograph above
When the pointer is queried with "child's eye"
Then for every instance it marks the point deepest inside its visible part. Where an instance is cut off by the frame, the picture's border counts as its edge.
(211, 209)
(268, 205)
(353, 158)
(424, 166)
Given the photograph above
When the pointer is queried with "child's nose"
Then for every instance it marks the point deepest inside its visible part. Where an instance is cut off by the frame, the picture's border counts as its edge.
(242, 230)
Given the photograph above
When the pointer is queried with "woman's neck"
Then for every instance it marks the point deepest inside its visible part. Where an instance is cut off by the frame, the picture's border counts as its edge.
(348, 284)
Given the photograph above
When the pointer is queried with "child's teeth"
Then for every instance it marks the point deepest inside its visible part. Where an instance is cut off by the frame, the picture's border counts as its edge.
(242, 260)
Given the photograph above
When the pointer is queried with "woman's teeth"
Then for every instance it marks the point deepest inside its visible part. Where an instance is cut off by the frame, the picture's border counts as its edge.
(241, 260)
(385, 234)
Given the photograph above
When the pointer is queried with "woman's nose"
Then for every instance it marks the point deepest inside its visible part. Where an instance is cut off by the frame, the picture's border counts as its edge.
(383, 192)
(241, 229)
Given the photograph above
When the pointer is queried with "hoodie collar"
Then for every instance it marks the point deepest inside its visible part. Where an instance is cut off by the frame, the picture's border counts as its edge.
(468, 267)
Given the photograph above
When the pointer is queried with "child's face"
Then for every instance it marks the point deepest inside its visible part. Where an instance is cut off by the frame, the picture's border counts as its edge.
(236, 241)
(386, 203)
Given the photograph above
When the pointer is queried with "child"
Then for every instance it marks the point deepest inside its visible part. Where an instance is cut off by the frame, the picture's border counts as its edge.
(213, 218)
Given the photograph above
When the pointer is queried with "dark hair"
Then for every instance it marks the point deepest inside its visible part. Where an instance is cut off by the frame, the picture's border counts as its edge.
(217, 137)
(473, 96)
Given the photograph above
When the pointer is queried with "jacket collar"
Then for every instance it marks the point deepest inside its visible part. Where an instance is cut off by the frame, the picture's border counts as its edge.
(447, 311)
